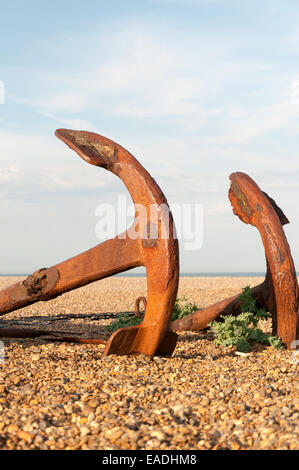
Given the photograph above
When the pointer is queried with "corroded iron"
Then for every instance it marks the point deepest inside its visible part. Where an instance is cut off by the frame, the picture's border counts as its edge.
(159, 254)
(138, 314)
(279, 291)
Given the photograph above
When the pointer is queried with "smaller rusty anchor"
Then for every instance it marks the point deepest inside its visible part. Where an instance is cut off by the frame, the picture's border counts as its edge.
(143, 244)
(278, 293)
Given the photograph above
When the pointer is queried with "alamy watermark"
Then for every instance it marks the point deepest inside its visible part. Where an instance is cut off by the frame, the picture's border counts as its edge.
(151, 222)
(2, 92)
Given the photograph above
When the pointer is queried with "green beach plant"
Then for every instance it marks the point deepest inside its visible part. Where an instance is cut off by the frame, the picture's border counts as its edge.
(181, 308)
(123, 320)
(242, 330)
(235, 331)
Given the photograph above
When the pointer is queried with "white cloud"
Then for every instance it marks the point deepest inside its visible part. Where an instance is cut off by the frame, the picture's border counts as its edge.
(72, 102)
(8, 173)
(242, 126)
(79, 124)
(141, 78)
(43, 166)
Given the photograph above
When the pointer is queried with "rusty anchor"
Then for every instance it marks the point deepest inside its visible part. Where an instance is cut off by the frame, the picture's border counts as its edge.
(150, 248)
(278, 293)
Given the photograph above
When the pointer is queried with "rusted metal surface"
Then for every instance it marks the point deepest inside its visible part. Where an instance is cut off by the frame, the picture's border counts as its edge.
(279, 291)
(138, 314)
(35, 286)
(160, 255)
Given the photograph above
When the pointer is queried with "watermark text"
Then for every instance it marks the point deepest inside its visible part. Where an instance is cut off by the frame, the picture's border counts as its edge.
(151, 222)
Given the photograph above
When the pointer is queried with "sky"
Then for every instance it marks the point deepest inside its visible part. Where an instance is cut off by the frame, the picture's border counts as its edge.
(194, 89)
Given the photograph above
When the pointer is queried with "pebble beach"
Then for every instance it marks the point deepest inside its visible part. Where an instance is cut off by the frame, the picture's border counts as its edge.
(63, 396)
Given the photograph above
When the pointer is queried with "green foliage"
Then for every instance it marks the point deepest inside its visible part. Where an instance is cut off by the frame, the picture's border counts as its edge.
(275, 342)
(123, 320)
(241, 330)
(242, 345)
(248, 301)
(182, 308)
(235, 331)
(249, 304)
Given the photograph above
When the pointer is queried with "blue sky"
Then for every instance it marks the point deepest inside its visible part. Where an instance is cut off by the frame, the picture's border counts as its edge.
(195, 89)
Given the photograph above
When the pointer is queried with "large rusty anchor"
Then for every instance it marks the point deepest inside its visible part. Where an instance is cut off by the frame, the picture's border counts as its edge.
(278, 293)
(149, 242)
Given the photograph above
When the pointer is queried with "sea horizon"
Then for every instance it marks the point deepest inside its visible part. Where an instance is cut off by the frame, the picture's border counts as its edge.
(182, 274)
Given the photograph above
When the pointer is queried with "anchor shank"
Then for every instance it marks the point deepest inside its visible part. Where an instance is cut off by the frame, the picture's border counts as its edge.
(104, 260)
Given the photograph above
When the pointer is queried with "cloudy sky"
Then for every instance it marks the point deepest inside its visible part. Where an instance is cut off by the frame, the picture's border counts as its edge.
(195, 89)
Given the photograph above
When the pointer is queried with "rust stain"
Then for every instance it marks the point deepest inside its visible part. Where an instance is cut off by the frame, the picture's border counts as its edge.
(150, 236)
(242, 200)
(280, 257)
(36, 285)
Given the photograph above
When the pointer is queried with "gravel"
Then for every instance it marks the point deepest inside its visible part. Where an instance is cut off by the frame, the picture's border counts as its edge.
(67, 396)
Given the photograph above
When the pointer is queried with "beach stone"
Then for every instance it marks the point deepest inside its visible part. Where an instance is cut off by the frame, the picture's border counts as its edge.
(68, 396)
